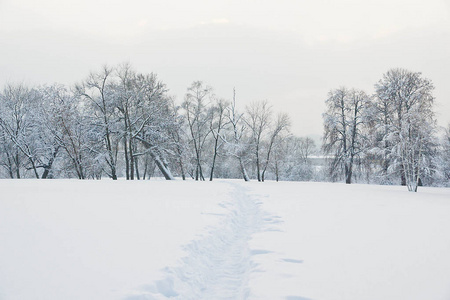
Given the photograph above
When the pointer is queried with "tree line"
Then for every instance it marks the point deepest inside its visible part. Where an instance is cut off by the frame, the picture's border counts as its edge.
(389, 137)
(121, 123)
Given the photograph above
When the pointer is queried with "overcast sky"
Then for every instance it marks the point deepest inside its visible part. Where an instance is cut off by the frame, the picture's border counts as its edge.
(288, 52)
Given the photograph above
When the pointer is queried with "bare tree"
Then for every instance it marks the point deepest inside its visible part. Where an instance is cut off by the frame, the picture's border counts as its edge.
(236, 146)
(292, 158)
(158, 158)
(178, 138)
(126, 96)
(445, 156)
(97, 92)
(12, 118)
(281, 124)
(18, 121)
(217, 124)
(258, 120)
(66, 122)
(307, 147)
(151, 122)
(196, 104)
(343, 122)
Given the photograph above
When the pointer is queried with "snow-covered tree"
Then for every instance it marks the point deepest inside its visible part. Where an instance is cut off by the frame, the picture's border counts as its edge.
(444, 161)
(218, 123)
(275, 137)
(344, 120)
(98, 94)
(179, 139)
(27, 146)
(258, 119)
(13, 121)
(154, 121)
(407, 125)
(144, 111)
(196, 106)
(66, 122)
(292, 159)
(236, 145)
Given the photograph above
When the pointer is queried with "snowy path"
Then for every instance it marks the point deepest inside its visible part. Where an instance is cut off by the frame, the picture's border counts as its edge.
(226, 239)
(218, 265)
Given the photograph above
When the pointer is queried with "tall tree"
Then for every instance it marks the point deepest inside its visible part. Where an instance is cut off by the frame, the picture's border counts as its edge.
(178, 138)
(66, 122)
(97, 92)
(343, 122)
(237, 148)
(20, 129)
(217, 124)
(196, 104)
(258, 120)
(445, 156)
(409, 125)
(154, 121)
(281, 125)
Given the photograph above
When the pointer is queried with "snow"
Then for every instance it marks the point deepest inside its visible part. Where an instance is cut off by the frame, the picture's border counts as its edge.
(354, 242)
(226, 239)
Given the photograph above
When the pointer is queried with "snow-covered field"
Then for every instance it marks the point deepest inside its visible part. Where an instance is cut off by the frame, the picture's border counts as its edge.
(69, 239)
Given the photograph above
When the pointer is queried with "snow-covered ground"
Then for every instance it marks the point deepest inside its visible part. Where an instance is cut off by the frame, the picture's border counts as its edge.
(69, 239)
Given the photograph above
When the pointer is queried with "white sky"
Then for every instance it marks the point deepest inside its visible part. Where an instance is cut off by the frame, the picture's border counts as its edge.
(288, 52)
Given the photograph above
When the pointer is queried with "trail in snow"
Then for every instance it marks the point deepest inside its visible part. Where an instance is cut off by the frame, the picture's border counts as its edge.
(217, 266)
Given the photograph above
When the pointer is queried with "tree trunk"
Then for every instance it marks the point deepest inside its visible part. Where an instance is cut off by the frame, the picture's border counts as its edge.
(33, 166)
(213, 163)
(257, 164)
(163, 168)
(127, 161)
(243, 170)
(348, 179)
(48, 167)
(136, 167)
(349, 171)
(10, 164)
(276, 170)
(17, 165)
(202, 178)
(130, 151)
(160, 162)
(183, 175)
(112, 162)
(402, 175)
(45, 174)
